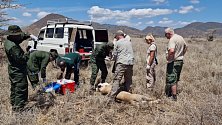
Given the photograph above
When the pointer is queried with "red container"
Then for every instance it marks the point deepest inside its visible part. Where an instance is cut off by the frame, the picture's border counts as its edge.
(67, 87)
(81, 50)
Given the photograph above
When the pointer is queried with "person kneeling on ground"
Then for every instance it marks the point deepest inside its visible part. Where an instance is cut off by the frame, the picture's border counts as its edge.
(37, 62)
(71, 63)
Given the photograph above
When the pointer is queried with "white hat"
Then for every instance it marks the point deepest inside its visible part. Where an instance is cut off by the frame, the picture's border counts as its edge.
(118, 33)
(169, 30)
(148, 37)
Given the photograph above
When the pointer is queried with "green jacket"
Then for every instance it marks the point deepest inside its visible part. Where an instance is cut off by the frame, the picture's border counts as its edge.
(16, 57)
(71, 59)
(99, 53)
(38, 61)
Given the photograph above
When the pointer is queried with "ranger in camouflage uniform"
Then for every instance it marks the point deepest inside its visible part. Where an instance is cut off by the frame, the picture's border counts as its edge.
(98, 62)
(37, 62)
(17, 67)
(70, 62)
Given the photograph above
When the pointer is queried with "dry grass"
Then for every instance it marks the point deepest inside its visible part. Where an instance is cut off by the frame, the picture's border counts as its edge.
(199, 100)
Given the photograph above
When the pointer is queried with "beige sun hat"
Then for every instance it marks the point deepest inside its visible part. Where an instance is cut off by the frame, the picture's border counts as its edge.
(119, 33)
(150, 37)
(169, 30)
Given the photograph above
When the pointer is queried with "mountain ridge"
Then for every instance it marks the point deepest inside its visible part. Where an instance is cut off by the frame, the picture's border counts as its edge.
(195, 29)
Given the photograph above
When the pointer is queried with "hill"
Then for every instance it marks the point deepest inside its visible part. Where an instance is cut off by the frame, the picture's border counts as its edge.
(35, 27)
(196, 29)
(157, 30)
(199, 29)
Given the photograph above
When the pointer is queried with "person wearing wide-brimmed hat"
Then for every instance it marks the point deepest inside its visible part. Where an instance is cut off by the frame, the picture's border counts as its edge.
(38, 61)
(151, 61)
(17, 67)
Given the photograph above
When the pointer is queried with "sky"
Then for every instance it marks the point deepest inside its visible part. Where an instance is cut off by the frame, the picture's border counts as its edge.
(134, 13)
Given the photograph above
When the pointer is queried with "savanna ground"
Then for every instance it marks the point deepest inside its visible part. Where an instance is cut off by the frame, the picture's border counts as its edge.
(199, 100)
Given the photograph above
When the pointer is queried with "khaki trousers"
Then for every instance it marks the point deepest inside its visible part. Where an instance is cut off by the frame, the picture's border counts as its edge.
(151, 76)
(121, 71)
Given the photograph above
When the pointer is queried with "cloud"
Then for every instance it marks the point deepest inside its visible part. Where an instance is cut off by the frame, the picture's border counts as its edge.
(101, 14)
(194, 1)
(186, 9)
(36, 10)
(42, 14)
(133, 5)
(27, 14)
(159, 1)
(16, 20)
(123, 23)
(149, 22)
(172, 23)
(138, 23)
(165, 21)
(34, 20)
(128, 23)
(183, 23)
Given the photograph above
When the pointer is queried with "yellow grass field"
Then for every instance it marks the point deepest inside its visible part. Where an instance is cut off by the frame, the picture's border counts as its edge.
(199, 100)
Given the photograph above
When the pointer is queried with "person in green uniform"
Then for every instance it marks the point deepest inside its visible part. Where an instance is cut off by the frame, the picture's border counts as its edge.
(38, 62)
(17, 67)
(70, 62)
(97, 60)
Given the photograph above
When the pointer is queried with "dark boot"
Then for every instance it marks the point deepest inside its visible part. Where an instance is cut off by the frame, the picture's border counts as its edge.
(168, 91)
(174, 97)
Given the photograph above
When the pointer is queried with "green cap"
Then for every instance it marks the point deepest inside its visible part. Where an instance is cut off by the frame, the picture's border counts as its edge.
(14, 30)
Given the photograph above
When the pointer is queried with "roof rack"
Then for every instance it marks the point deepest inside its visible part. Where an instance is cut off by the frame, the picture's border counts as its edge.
(68, 21)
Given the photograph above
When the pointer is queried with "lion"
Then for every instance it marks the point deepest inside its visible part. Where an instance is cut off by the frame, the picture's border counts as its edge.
(134, 99)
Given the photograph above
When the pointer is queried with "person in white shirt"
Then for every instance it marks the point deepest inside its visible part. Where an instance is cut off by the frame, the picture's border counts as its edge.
(151, 61)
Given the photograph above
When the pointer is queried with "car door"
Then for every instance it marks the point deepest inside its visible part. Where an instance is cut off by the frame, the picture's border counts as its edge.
(101, 37)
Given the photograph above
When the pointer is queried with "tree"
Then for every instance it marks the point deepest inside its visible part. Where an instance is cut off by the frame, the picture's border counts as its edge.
(6, 4)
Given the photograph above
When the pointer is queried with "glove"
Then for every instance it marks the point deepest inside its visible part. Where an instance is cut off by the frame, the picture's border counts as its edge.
(34, 38)
(44, 80)
(107, 58)
(148, 67)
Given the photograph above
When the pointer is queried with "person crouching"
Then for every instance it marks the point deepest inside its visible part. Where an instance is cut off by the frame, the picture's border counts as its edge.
(70, 62)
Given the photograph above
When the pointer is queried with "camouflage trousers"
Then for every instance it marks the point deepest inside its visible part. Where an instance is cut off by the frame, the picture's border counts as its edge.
(75, 70)
(99, 65)
(33, 78)
(19, 90)
(172, 75)
(121, 71)
(151, 76)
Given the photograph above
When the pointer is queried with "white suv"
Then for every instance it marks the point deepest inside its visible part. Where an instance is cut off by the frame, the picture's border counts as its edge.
(67, 35)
